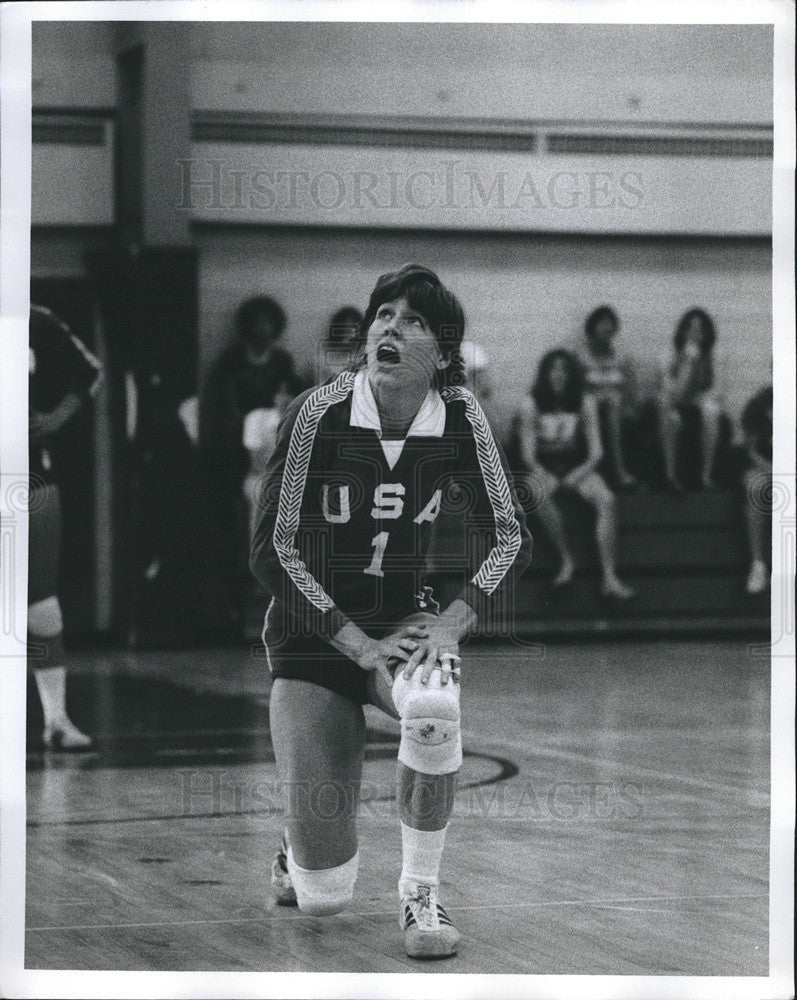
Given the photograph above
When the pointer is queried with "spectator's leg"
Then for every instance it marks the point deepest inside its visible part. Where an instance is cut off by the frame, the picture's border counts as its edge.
(542, 485)
(668, 422)
(612, 408)
(709, 435)
(756, 522)
(595, 491)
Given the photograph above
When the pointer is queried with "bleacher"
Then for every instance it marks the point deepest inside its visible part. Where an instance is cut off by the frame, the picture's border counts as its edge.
(684, 555)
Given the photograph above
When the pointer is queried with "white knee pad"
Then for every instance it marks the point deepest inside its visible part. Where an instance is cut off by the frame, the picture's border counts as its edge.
(431, 741)
(325, 891)
(44, 618)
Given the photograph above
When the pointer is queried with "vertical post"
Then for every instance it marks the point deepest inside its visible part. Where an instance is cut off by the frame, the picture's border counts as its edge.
(155, 130)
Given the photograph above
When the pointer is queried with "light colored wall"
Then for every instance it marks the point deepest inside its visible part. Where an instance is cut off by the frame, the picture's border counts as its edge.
(714, 73)
(292, 184)
(665, 73)
(522, 293)
(73, 64)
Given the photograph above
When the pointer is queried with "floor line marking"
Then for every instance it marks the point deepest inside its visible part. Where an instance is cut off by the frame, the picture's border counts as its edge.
(586, 757)
(390, 913)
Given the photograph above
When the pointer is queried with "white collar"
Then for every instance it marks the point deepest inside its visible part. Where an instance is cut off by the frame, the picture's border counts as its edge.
(430, 420)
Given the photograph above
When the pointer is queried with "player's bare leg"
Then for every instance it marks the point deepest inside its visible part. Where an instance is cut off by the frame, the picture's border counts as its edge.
(425, 804)
(319, 743)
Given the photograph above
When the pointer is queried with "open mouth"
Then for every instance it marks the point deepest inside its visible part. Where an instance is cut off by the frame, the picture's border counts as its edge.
(387, 354)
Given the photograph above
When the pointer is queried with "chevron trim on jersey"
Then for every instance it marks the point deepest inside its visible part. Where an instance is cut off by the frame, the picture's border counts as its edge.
(78, 345)
(294, 479)
(508, 540)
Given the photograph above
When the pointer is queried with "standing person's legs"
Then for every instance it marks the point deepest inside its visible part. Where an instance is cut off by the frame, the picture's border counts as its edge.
(319, 743)
(756, 522)
(543, 485)
(595, 491)
(45, 625)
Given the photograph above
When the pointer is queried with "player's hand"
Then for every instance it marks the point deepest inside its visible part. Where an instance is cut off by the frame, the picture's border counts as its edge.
(376, 654)
(438, 650)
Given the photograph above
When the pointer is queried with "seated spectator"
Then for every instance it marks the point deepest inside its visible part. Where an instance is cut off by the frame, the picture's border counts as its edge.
(477, 378)
(476, 370)
(259, 438)
(687, 388)
(248, 376)
(342, 345)
(757, 480)
(609, 380)
(561, 446)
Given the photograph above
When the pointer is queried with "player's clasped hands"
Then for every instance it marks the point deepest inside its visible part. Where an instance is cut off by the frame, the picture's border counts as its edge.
(400, 645)
(439, 649)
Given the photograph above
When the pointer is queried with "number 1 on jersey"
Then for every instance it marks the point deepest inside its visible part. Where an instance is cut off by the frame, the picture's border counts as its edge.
(379, 544)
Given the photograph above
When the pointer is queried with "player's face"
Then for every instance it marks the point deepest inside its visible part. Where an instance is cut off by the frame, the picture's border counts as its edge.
(557, 376)
(400, 347)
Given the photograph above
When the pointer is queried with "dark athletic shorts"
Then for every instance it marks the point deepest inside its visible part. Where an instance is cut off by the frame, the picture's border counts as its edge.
(44, 542)
(311, 658)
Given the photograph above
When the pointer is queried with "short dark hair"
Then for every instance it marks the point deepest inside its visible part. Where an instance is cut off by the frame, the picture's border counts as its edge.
(709, 330)
(260, 305)
(595, 317)
(426, 293)
(345, 318)
(574, 390)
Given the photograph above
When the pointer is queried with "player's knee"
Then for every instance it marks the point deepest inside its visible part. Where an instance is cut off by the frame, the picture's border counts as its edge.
(431, 741)
(44, 618)
(325, 891)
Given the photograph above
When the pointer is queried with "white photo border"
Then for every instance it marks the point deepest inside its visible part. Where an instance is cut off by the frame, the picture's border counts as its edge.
(15, 174)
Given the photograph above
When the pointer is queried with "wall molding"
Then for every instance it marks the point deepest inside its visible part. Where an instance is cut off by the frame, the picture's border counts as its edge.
(69, 129)
(500, 135)
(89, 128)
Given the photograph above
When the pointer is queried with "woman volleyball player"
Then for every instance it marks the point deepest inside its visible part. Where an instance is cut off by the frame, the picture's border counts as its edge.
(388, 527)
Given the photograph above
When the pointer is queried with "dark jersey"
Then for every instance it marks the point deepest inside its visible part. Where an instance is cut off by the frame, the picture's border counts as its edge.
(343, 536)
(236, 387)
(59, 364)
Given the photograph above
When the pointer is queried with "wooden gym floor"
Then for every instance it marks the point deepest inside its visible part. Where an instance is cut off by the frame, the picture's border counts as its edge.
(612, 819)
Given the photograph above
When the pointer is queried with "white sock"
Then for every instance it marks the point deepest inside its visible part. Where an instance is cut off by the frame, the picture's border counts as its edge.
(421, 852)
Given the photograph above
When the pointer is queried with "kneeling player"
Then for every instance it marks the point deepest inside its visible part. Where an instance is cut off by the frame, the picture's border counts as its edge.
(375, 475)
